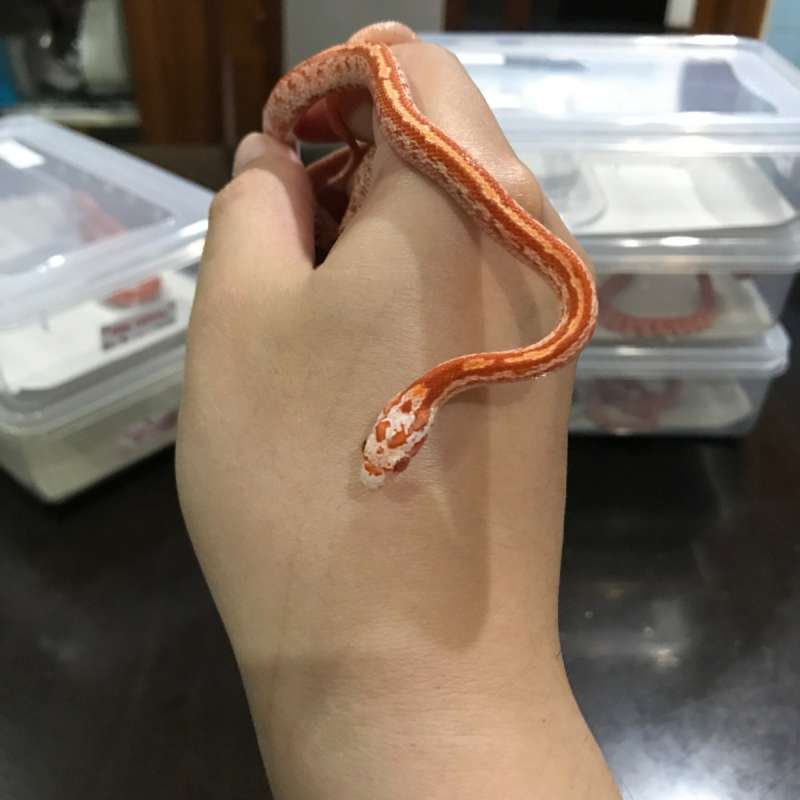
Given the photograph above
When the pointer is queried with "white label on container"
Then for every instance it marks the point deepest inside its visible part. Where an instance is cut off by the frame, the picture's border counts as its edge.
(138, 324)
(18, 155)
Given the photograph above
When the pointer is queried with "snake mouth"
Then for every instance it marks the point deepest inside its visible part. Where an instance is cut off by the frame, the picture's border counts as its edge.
(363, 445)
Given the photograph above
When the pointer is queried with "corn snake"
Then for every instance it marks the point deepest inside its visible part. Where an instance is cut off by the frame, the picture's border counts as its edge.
(628, 324)
(366, 61)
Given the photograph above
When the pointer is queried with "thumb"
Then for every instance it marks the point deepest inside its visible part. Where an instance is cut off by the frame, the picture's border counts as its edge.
(261, 225)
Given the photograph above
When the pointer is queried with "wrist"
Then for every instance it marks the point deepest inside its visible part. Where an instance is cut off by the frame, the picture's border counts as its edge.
(418, 730)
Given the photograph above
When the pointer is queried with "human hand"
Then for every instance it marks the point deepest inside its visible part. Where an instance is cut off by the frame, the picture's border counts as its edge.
(426, 606)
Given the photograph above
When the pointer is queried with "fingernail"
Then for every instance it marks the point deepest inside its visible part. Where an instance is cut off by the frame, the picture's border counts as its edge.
(253, 146)
(258, 145)
(294, 146)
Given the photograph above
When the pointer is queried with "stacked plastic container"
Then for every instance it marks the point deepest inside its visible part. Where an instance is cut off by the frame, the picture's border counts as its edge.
(98, 255)
(676, 163)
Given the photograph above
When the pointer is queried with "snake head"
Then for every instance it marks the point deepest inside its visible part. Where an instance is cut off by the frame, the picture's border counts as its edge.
(398, 434)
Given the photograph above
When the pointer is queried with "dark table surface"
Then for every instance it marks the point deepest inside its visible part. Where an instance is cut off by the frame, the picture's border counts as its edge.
(680, 603)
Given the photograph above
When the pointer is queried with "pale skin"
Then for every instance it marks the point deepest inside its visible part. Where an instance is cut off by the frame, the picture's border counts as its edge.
(402, 642)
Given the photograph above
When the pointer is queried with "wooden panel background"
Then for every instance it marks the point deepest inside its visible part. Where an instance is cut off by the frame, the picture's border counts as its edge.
(738, 17)
(202, 69)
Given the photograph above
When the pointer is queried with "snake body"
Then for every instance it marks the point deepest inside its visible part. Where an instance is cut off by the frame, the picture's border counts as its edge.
(637, 325)
(366, 61)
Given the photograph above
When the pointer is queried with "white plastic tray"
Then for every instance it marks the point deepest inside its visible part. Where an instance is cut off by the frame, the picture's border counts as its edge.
(670, 197)
(44, 356)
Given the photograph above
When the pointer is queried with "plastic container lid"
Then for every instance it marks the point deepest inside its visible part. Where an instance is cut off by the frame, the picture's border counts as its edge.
(98, 262)
(79, 220)
(662, 153)
(621, 85)
(762, 358)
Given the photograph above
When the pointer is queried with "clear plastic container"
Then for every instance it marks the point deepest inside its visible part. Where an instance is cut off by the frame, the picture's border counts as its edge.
(670, 158)
(98, 255)
(679, 390)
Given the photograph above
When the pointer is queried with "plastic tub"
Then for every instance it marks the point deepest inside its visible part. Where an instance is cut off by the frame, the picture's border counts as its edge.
(98, 255)
(689, 390)
(674, 160)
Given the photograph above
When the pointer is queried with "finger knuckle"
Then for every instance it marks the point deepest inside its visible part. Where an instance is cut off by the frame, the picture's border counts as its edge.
(523, 186)
(238, 191)
(429, 50)
(434, 59)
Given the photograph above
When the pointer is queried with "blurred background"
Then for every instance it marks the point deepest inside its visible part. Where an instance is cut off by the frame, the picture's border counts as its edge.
(198, 72)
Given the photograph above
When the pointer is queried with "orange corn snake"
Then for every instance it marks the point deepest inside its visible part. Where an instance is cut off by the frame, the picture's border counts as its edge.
(366, 61)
